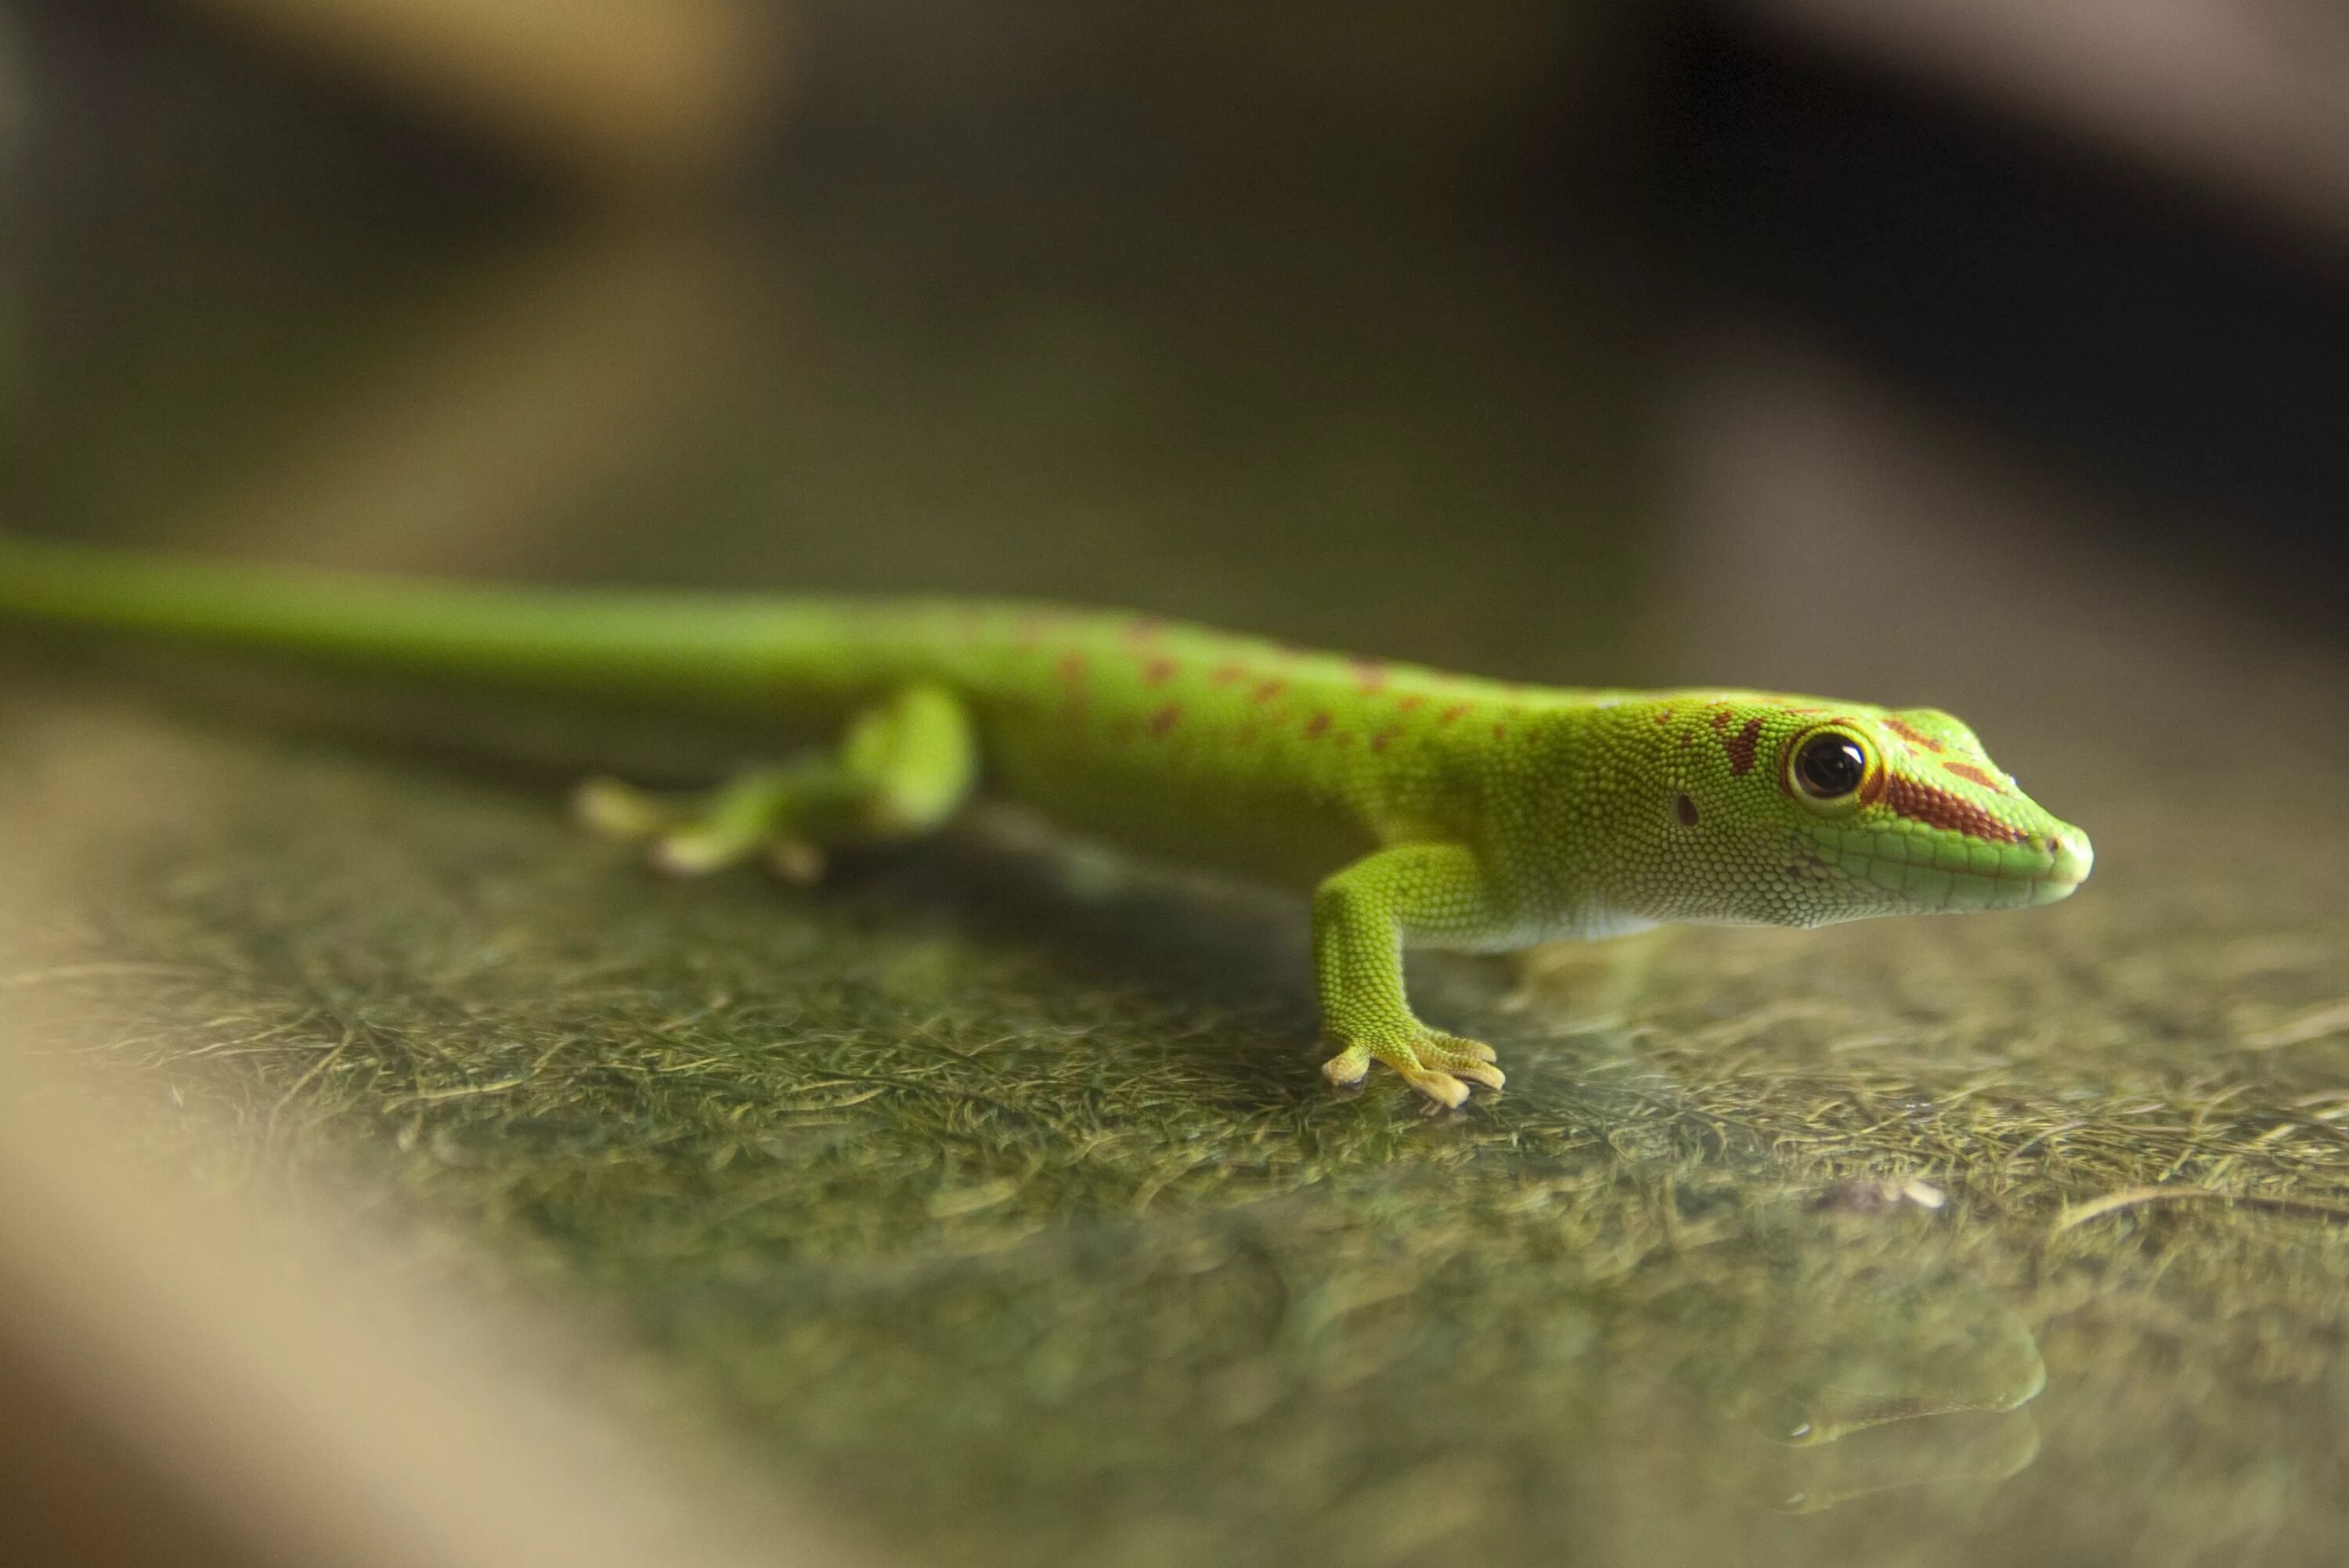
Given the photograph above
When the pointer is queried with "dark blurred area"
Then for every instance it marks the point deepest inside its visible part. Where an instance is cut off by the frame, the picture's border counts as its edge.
(2174, 337)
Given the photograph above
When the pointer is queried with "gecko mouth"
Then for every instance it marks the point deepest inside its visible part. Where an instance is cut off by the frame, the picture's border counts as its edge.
(2070, 858)
(1950, 872)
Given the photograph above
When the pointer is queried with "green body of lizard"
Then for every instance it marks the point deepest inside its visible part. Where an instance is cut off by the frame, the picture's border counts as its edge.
(1416, 808)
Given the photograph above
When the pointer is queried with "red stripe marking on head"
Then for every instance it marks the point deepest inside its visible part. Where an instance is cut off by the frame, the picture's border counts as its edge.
(1939, 809)
(1158, 671)
(1720, 718)
(1316, 724)
(1741, 746)
(1164, 719)
(1912, 734)
(1973, 775)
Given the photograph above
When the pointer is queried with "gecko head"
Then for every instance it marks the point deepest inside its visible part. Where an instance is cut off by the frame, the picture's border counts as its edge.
(1797, 812)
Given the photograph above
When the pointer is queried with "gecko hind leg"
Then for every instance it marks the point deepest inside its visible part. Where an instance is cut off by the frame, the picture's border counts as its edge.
(904, 768)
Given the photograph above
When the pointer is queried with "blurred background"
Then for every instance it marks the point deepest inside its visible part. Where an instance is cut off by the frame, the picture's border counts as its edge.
(983, 275)
(1978, 352)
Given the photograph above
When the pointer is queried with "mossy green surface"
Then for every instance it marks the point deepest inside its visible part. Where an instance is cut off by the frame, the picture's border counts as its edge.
(997, 1191)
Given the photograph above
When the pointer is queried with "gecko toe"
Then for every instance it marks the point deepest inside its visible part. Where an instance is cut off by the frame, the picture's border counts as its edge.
(1442, 1087)
(691, 854)
(617, 810)
(1450, 1048)
(1482, 1073)
(1470, 1060)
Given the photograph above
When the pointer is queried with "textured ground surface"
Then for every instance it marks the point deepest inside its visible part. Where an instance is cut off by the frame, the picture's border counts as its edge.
(994, 1187)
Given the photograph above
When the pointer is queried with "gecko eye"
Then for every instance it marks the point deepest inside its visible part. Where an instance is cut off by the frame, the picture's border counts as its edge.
(1830, 766)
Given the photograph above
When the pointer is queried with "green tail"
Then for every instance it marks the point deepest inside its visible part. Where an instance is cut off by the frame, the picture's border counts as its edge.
(725, 654)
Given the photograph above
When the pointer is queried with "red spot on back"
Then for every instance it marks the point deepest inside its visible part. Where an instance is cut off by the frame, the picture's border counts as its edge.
(1912, 734)
(1938, 809)
(1070, 668)
(1158, 671)
(1720, 718)
(1225, 675)
(1409, 701)
(1144, 628)
(1453, 711)
(1164, 719)
(1973, 775)
(1741, 746)
(1379, 741)
(1499, 730)
(1316, 724)
(1370, 674)
(1663, 715)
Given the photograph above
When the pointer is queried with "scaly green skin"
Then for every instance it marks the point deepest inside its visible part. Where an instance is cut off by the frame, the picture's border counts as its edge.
(1418, 808)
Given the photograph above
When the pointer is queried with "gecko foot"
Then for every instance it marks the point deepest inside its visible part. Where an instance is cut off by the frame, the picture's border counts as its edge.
(1437, 1064)
(694, 835)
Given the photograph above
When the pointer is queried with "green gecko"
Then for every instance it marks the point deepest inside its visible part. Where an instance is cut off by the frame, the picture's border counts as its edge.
(1416, 808)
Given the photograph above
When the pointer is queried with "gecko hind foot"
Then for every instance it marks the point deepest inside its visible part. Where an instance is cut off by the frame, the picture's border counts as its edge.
(698, 834)
(901, 769)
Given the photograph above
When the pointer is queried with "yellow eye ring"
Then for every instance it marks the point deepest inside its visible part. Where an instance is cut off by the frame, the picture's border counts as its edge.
(1830, 768)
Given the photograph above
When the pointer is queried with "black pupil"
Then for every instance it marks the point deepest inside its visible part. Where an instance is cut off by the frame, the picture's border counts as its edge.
(1830, 766)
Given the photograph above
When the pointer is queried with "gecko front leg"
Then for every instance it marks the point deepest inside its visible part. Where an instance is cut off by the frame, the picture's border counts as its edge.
(904, 768)
(1362, 917)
